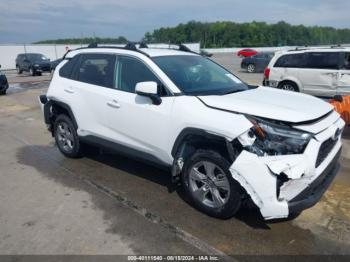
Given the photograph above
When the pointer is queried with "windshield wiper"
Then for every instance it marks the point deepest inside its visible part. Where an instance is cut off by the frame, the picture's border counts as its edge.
(234, 91)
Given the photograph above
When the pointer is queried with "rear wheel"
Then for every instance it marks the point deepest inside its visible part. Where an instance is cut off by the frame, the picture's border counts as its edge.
(66, 137)
(19, 71)
(3, 92)
(288, 86)
(251, 68)
(209, 185)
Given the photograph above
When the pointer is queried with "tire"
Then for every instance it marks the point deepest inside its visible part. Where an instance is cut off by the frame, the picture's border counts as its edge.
(32, 71)
(288, 86)
(201, 186)
(66, 137)
(251, 68)
(19, 71)
(3, 92)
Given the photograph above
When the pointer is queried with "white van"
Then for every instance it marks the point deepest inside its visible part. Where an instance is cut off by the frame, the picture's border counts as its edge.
(320, 72)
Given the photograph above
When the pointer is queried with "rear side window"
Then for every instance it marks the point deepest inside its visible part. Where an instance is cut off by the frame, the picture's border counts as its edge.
(66, 71)
(323, 60)
(292, 61)
(96, 69)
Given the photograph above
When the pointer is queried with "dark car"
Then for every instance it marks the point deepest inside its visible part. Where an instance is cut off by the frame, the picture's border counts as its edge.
(256, 63)
(32, 62)
(4, 85)
(55, 63)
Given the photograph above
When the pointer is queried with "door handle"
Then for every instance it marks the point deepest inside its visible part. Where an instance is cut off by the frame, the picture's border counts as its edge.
(69, 90)
(114, 104)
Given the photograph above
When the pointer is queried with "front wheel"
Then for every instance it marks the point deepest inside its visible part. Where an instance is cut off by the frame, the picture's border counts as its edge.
(66, 137)
(209, 185)
(32, 71)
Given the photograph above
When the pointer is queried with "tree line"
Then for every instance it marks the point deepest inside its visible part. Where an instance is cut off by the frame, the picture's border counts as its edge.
(231, 34)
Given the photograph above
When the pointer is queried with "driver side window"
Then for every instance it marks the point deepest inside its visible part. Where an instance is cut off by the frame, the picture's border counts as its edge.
(130, 71)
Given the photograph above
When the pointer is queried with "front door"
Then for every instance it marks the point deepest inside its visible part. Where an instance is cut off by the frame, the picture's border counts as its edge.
(135, 121)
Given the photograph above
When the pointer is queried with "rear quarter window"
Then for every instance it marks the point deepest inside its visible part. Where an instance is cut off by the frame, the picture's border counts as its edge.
(66, 70)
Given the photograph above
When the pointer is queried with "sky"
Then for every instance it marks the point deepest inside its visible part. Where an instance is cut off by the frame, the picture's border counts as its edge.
(26, 21)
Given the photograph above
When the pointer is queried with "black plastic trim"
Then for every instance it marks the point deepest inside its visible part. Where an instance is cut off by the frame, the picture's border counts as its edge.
(124, 150)
(191, 131)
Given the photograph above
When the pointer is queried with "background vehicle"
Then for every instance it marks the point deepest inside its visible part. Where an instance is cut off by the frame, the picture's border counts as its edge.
(320, 72)
(3, 83)
(222, 140)
(55, 63)
(32, 62)
(246, 52)
(256, 63)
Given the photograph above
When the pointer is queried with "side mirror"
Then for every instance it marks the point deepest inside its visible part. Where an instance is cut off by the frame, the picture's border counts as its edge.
(149, 89)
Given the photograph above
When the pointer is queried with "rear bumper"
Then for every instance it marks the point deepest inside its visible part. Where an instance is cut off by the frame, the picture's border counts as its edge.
(269, 83)
(313, 193)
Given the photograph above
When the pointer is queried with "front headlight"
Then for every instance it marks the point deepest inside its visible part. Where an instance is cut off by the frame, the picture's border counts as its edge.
(36, 65)
(278, 139)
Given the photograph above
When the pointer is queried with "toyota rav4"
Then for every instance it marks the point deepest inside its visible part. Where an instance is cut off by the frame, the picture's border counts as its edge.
(222, 140)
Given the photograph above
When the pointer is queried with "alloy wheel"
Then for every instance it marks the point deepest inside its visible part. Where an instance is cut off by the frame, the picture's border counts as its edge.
(65, 137)
(209, 184)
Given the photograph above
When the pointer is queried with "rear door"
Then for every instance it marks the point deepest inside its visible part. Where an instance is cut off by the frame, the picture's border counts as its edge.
(88, 92)
(343, 87)
(319, 77)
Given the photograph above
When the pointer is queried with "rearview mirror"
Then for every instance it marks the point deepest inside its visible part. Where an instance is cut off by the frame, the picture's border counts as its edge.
(149, 89)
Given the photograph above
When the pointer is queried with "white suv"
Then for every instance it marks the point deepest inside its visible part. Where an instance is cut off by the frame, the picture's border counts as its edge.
(320, 72)
(224, 142)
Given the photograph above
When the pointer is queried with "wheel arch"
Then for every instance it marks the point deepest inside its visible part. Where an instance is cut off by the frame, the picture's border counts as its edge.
(53, 108)
(292, 80)
(200, 138)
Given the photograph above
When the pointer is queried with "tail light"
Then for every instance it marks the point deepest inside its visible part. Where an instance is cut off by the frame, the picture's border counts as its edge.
(267, 73)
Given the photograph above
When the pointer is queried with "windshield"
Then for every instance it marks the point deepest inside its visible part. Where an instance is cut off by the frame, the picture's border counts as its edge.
(196, 75)
(36, 57)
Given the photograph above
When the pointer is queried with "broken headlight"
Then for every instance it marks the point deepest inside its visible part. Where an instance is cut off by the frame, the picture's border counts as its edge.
(278, 139)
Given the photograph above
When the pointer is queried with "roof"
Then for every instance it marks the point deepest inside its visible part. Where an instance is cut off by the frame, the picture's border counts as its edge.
(334, 49)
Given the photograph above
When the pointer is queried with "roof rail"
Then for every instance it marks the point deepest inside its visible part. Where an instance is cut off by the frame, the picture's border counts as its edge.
(129, 46)
(132, 46)
(181, 47)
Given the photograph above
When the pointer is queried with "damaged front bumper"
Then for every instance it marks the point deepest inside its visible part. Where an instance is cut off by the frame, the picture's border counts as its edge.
(286, 184)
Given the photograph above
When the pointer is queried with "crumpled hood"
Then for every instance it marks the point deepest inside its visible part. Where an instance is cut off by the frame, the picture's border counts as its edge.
(271, 103)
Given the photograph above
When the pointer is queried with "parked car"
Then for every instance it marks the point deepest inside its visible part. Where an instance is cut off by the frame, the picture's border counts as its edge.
(205, 53)
(32, 62)
(320, 72)
(55, 63)
(256, 63)
(4, 85)
(224, 142)
(246, 52)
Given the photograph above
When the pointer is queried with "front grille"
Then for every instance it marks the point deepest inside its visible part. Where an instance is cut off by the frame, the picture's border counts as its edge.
(325, 149)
